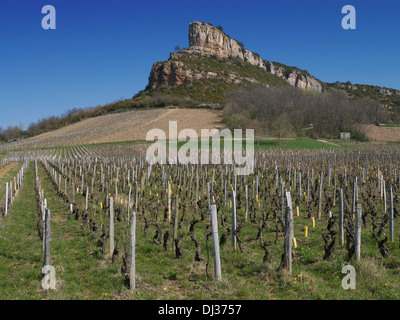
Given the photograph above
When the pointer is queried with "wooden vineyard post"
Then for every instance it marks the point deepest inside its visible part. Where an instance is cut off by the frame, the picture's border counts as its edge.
(308, 185)
(287, 256)
(87, 199)
(175, 222)
(208, 195)
(247, 202)
(212, 183)
(391, 216)
(233, 220)
(225, 192)
(357, 238)
(73, 193)
(320, 198)
(341, 213)
(353, 205)
(107, 199)
(6, 208)
(11, 193)
(215, 241)
(384, 196)
(46, 259)
(329, 176)
(132, 266)
(129, 202)
(111, 226)
(282, 198)
(136, 196)
(356, 189)
(299, 187)
(334, 191)
(169, 202)
(197, 193)
(42, 205)
(256, 186)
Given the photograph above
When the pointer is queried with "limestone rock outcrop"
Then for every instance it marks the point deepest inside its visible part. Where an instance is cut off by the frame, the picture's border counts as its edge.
(204, 39)
(295, 77)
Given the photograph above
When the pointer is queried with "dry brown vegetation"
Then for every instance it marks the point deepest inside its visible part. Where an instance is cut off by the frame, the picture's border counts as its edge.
(377, 133)
(127, 126)
(7, 168)
(285, 111)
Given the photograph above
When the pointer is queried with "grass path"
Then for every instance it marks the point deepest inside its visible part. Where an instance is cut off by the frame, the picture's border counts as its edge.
(3, 171)
(20, 247)
(331, 143)
(82, 272)
(8, 175)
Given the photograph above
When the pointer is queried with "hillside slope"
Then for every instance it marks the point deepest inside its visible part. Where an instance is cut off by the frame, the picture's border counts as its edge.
(127, 126)
(388, 98)
(379, 133)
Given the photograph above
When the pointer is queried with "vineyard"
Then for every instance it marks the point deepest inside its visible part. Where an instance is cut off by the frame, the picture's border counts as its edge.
(132, 126)
(114, 227)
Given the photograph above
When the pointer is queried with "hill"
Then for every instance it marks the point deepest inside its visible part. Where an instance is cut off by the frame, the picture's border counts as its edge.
(127, 126)
(204, 75)
(388, 98)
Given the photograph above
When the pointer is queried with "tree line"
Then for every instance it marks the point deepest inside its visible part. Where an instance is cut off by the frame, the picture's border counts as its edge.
(286, 111)
(12, 133)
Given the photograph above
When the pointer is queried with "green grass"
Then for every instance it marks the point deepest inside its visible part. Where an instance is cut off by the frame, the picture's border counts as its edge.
(162, 276)
(8, 177)
(21, 250)
(83, 272)
(274, 143)
(117, 143)
(393, 125)
(296, 143)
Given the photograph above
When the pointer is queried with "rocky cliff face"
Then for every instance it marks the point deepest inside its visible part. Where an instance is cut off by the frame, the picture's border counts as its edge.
(295, 77)
(174, 73)
(204, 39)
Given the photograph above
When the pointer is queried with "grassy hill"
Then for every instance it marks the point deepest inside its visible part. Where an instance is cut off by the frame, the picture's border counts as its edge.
(227, 73)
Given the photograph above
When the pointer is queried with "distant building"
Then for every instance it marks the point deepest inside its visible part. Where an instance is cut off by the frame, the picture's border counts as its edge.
(345, 135)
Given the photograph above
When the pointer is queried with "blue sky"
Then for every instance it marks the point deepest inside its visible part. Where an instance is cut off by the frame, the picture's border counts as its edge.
(102, 51)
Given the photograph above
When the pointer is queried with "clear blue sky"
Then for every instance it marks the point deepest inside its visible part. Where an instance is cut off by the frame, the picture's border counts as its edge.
(102, 51)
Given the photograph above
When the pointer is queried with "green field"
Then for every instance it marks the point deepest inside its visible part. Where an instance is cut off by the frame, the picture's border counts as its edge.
(284, 144)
